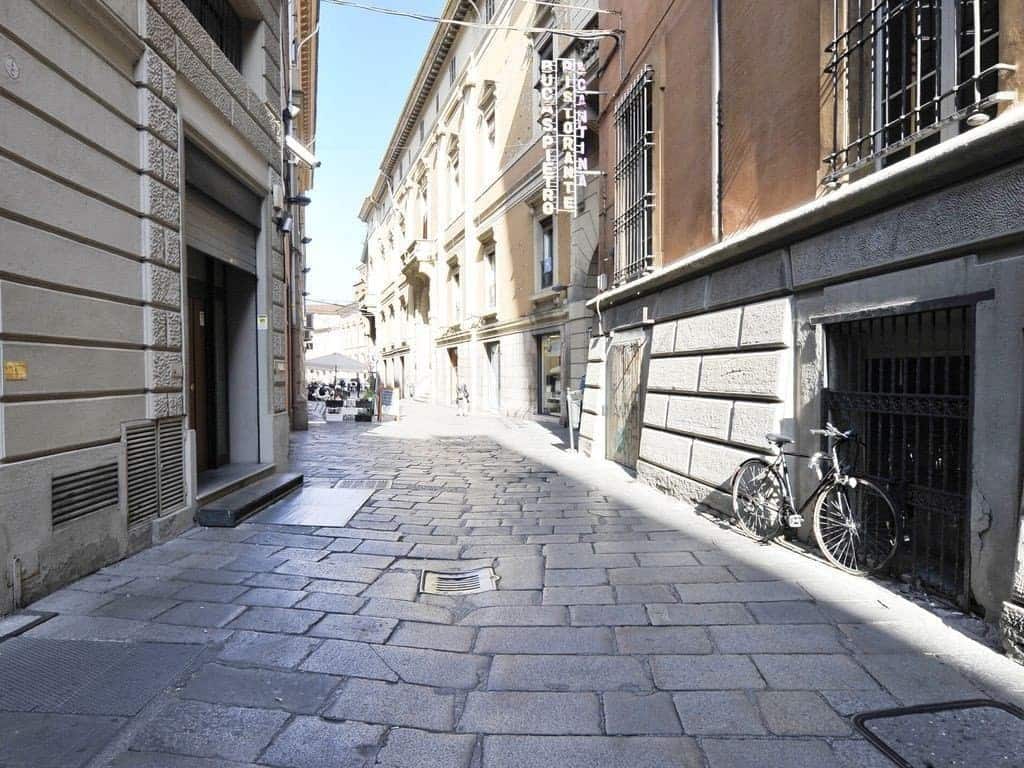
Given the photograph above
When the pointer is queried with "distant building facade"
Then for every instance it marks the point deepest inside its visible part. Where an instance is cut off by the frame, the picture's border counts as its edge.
(813, 212)
(465, 278)
(336, 329)
(150, 273)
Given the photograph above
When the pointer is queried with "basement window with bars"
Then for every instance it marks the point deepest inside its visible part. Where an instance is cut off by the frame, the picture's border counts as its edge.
(907, 74)
(634, 180)
(221, 23)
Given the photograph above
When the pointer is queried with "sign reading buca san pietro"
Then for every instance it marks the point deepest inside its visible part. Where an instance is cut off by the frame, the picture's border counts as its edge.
(563, 121)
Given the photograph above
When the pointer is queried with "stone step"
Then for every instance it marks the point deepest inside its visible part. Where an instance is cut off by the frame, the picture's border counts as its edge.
(228, 511)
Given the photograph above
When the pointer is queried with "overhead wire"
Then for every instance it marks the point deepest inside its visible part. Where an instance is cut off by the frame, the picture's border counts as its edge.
(583, 34)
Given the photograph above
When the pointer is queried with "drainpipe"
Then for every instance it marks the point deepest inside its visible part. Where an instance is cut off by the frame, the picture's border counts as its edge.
(716, 119)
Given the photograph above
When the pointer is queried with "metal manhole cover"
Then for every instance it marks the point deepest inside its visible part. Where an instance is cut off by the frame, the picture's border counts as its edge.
(957, 734)
(459, 582)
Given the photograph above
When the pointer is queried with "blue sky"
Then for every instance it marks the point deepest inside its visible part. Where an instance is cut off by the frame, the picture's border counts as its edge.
(367, 63)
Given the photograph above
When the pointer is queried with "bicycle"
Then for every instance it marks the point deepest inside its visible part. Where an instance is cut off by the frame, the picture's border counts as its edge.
(855, 522)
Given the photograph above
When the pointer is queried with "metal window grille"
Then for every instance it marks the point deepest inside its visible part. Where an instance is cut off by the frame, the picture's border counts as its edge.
(222, 24)
(904, 383)
(634, 180)
(906, 74)
(488, 10)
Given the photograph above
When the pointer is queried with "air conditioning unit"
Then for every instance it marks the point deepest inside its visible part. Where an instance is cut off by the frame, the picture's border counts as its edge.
(278, 196)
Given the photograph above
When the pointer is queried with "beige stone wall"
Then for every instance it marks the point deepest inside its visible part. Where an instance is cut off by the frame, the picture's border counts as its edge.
(496, 201)
(717, 383)
(96, 104)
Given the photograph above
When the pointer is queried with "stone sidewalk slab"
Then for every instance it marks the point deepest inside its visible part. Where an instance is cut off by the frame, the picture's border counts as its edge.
(625, 631)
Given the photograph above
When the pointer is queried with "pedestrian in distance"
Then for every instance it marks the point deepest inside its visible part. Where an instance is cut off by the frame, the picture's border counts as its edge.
(462, 400)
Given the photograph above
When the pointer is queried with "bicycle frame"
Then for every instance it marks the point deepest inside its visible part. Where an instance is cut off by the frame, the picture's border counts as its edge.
(830, 475)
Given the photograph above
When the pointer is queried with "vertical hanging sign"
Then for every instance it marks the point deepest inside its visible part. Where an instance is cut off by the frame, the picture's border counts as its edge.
(563, 109)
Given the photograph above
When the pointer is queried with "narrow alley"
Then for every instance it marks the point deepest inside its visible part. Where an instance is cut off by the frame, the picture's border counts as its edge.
(624, 630)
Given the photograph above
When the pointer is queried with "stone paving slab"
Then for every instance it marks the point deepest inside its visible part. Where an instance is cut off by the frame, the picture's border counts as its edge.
(591, 752)
(199, 729)
(531, 713)
(625, 630)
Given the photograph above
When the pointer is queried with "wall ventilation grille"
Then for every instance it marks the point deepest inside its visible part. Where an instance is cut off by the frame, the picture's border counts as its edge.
(154, 455)
(80, 493)
(171, 433)
(140, 457)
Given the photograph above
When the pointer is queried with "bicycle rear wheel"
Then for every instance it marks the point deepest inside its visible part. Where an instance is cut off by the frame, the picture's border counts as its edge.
(856, 526)
(758, 498)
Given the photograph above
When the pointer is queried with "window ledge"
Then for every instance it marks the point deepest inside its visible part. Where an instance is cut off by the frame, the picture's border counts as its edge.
(544, 296)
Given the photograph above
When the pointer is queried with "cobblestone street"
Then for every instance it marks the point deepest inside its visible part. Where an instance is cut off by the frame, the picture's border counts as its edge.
(626, 630)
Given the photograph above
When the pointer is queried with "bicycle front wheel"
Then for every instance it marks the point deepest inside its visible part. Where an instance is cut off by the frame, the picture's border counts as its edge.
(758, 498)
(856, 526)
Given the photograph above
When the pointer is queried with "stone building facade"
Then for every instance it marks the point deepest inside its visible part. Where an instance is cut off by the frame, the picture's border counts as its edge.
(337, 329)
(144, 281)
(465, 279)
(817, 243)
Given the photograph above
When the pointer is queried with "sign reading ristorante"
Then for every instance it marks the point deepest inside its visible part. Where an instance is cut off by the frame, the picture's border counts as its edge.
(563, 121)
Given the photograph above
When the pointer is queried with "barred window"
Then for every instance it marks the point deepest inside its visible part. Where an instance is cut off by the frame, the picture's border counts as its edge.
(488, 10)
(907, 74)
(634, 180)
(222, 24)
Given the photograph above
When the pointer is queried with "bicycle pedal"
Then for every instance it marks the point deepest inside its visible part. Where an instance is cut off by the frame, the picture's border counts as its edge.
(795, 521)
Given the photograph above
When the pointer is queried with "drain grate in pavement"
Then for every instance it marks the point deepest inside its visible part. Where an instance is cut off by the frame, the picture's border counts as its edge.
(957, 734)
(459, 583)
(374, 485)
(86, 677)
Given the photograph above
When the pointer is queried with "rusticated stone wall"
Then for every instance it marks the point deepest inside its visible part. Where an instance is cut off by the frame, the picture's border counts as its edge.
(717, 383)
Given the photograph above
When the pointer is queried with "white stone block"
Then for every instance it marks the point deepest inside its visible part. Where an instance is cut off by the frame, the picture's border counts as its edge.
(593, 400)
(676, 374)
(705, 416)
(715, 464)
(663, 338)
(767, 323)
(655, 409)
(712, 330)
(751, 421)
(754, 373)
(587, 425)
(666, 450)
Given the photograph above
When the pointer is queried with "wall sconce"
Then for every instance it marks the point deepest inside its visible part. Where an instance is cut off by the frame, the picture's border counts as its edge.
(301, 200)
(306, 240)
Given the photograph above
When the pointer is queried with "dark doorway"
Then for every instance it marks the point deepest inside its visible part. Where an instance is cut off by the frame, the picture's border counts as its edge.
(208, 353)
(549, 374)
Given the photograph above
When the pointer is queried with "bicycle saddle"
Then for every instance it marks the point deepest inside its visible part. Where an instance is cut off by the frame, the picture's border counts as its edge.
(774, 437)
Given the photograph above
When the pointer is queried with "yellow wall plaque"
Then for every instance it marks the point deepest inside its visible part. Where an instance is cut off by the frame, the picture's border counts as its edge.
(15, 370)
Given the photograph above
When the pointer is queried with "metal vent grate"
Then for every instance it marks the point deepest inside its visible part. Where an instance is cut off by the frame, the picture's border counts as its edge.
(171, 466)
(375, 485)
(979, 732)
(140, 447)
(79, 493)
(459, 583)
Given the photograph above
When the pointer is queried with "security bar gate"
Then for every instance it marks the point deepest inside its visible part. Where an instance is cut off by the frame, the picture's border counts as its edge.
(904, 383)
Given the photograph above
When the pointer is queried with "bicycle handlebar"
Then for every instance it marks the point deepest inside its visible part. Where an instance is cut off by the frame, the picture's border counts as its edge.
(831, 430)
